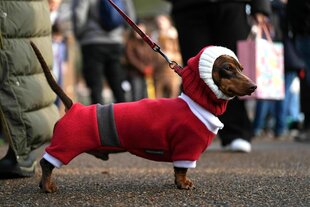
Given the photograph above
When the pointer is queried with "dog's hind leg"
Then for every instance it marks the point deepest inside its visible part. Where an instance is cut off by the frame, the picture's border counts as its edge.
(181, 180)
(46, 183)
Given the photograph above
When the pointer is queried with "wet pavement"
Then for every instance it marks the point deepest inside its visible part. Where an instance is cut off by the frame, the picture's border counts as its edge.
(275, 173)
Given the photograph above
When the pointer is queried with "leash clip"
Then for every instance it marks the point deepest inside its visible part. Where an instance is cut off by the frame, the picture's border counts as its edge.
(172, 64)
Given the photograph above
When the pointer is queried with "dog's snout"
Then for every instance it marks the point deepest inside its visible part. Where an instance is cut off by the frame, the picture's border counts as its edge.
(253, 88)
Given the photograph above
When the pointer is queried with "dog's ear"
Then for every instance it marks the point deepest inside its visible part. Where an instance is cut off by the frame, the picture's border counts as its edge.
(216, 75)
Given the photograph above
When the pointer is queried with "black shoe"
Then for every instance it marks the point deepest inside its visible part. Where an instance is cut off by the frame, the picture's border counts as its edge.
(295, 125)
(12, 167)
(303, 136)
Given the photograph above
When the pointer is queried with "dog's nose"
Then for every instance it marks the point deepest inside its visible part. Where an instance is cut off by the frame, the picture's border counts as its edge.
(253, 88)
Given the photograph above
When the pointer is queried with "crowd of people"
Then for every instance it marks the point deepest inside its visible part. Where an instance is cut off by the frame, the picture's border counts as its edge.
(113, 58)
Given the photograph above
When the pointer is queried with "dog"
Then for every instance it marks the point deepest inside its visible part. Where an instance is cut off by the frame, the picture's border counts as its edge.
(173, 130)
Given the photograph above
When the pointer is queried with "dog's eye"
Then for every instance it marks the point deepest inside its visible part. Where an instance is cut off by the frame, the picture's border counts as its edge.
(227, 68)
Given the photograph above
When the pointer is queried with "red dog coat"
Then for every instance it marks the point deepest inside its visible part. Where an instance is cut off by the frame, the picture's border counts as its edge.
(173, 130)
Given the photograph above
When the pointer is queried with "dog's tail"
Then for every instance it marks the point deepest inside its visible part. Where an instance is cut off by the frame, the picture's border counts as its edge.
(50, 79)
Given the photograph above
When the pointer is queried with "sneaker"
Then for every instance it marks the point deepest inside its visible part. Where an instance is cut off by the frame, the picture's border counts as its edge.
(12, 167)
(303, 136)
(239, 145)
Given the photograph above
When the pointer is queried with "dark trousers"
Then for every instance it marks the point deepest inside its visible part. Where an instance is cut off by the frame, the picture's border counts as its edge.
(305, 101)
(303, 45)
(138, 85)
(219, 24)
(100, 62)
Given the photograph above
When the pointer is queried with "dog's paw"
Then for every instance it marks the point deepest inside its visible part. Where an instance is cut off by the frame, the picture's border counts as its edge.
(46, 183)
(47, 187)
(185, 184)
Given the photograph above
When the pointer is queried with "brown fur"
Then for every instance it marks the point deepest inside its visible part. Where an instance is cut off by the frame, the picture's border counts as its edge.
(226, 75)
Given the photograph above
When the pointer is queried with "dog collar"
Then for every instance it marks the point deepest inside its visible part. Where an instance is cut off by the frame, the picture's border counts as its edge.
(208, 119)
(206, 61)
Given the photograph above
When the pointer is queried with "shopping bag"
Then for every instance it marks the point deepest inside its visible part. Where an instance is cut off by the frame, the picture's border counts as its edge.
(263, 62)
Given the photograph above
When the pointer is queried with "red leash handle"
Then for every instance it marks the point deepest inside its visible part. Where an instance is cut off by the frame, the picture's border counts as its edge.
(172, 64)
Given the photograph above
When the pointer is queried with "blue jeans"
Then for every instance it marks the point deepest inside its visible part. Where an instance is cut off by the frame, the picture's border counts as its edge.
(291, 100)
(273, 108)
(283, 112)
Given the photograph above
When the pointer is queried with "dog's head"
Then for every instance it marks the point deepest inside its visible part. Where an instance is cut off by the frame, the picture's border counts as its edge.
(213, 77)
(221, 71)
(227, 75)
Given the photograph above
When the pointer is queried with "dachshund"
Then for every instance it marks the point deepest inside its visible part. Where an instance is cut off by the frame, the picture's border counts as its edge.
(173, 130)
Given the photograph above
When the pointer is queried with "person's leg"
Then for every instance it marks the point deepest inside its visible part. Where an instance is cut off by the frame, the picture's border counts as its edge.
(294, 106)
(303, 45)
(262, 109)
(138, 87)
(232, 25)
(280, 121)
(114, 71)
(92, 71)
(236, 125)
(12, 166)
(289, 76)
(291, 102)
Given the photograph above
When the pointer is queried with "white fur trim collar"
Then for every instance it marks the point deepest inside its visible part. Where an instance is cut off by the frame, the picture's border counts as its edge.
(206, 61)
(208, 119)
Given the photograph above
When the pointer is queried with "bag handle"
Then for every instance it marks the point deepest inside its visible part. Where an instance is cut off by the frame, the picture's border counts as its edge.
(257, 31)
(264, 30)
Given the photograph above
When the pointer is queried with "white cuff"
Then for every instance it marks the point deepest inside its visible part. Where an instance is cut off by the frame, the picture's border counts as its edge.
(184, 164)
(54, 161)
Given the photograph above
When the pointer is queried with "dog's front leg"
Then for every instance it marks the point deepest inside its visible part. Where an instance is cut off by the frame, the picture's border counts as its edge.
(181, 180)
(46, 183)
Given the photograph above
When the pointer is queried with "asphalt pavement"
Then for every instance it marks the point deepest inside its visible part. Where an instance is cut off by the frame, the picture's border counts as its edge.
(275, 173)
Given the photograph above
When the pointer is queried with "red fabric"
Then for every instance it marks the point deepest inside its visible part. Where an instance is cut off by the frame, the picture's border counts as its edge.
(194, 87)
(164, 124)
(75, 133)
(167, 125)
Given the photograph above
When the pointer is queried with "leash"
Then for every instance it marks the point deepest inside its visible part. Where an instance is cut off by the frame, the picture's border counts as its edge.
(172, 64)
